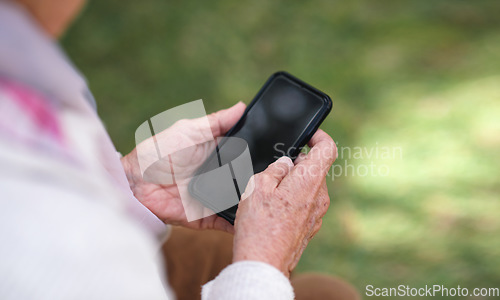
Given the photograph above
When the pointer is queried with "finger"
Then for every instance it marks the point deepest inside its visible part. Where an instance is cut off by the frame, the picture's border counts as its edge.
(316, 228)
(223, 225)
(249, 189)
(223, 120)
(276, 171)
(318, 161)
(323, 198)
(301, 157)
(318, 137)
(215, 222)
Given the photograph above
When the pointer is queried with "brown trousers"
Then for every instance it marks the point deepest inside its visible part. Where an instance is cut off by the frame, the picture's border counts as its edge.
(196, 257)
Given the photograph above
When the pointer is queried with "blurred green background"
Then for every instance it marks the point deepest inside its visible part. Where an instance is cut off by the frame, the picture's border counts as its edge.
(419, 76)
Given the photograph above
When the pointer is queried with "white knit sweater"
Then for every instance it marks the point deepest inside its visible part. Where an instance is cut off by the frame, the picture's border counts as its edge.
(70, 227)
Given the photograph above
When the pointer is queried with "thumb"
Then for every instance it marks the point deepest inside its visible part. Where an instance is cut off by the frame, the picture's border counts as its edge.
(222, 120)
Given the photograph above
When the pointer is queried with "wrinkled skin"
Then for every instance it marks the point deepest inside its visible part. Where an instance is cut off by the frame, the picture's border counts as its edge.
(274, 223)
(164, 199)
(277, 220)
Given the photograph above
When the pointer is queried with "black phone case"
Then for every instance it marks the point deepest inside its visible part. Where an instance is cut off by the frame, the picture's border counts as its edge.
(301, 141)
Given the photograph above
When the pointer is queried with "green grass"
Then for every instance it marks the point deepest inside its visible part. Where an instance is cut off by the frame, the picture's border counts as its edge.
(421, 76)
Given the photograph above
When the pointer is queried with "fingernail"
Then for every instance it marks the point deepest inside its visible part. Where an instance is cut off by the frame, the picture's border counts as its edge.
(287, 160)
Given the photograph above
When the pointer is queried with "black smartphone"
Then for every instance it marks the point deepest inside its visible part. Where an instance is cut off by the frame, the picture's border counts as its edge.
(279, 121)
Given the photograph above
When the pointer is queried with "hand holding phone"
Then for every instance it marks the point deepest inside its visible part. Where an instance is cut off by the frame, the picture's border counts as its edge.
(276, 221)
(280, 120)
(163, 197)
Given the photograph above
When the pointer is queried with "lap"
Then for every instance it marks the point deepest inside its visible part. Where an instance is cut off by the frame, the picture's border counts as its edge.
(195, 257)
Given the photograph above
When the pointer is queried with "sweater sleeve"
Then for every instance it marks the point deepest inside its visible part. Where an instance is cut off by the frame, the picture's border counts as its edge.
(66, 230)
(249, 280)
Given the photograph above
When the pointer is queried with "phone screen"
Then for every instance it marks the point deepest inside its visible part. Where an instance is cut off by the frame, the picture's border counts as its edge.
(281, 119)
(277, 120)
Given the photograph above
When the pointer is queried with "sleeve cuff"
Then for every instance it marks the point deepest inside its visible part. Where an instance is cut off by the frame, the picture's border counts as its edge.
(249, 280)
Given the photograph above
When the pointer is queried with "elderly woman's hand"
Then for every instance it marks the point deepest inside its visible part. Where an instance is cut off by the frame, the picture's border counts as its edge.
(284, 211)
(158, 192)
